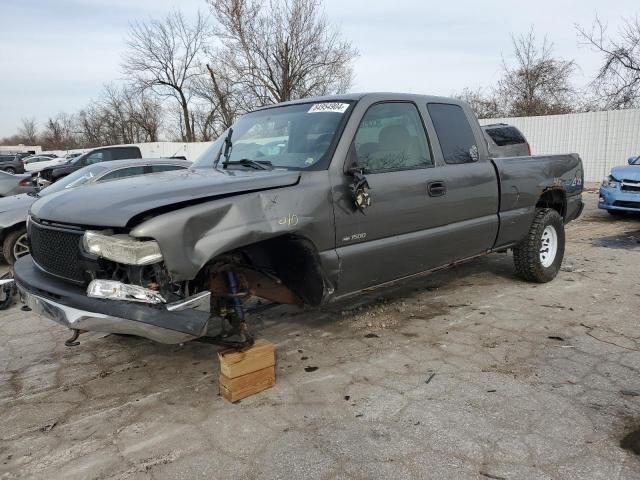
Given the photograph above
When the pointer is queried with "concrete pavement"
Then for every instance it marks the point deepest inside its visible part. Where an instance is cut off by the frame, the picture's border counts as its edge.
(469, 373)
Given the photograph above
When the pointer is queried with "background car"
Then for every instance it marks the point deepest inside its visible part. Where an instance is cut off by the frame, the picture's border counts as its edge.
(620, 190)
(506, 141)
(39, 162)
(14, 210)
(11, 164)
(15, 184)
(52, 174)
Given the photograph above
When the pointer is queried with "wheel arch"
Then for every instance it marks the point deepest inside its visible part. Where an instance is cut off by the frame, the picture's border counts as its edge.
(291, 258)
(12, 228)
(554, 198)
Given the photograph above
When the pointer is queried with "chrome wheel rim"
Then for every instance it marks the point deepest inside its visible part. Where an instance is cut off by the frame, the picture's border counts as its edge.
(548, 246)
(21, 248)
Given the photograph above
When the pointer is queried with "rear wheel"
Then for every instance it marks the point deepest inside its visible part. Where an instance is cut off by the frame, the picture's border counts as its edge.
(15, 245)
(10, 170)
(539, 256)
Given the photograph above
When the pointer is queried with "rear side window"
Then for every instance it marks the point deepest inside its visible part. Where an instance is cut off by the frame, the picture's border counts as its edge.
(125, 152)
(123, 173)
(454, 133)
(166, 168)
(504, 136)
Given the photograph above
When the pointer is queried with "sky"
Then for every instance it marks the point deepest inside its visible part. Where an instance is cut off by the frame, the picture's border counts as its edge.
(56, 55)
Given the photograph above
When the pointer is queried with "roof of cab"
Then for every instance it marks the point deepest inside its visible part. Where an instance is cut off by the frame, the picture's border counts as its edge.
(373, 96)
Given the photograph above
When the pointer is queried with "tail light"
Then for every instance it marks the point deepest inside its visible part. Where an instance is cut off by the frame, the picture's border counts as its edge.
(529, 148)
(25, 183)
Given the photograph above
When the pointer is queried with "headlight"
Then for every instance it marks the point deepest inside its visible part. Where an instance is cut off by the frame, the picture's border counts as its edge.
(112, 290)
(610, 182)
(122, 248)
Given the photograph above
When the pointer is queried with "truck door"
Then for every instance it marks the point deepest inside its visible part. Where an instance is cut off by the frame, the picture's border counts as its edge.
(423, 213)
(469, 205)
(386, 241)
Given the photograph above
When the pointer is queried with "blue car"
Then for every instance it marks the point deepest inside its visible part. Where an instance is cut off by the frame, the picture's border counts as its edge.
(620, 190)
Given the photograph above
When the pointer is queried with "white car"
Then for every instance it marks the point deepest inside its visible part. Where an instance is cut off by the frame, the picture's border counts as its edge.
(37, 163)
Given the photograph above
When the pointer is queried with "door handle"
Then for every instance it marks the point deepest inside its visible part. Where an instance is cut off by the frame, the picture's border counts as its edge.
(436, 189)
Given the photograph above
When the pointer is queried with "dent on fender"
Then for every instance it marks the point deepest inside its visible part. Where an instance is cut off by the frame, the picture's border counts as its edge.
(192, 236)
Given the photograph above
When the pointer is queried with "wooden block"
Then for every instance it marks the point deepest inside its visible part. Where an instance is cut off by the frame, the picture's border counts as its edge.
(234, 363)
(234, 389)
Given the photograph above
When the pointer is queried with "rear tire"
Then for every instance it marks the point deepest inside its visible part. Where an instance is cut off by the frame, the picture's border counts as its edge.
(14, 245)
(10, 170)
(539, 256)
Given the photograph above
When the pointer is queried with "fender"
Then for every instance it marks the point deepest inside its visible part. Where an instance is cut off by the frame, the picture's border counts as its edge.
(190, 237)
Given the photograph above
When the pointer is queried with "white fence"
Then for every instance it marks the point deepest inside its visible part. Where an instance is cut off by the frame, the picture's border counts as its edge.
(603, 139)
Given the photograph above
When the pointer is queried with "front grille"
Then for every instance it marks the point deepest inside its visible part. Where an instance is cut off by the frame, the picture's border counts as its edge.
(57, 250)
(628, 186)
(620, 203)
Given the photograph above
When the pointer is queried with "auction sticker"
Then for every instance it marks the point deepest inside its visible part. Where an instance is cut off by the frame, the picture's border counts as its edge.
(328, 107)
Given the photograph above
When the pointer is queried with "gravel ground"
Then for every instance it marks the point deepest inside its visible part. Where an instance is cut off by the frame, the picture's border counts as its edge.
(469, 373)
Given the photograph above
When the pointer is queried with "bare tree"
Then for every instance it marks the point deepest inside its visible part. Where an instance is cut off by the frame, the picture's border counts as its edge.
(60, 132)
(147, 114)
(28, 130)
(484, 105)
(617, 83)
(122, 114)
(537, 83)
(163, 55)
(282, 49)
(222, 99)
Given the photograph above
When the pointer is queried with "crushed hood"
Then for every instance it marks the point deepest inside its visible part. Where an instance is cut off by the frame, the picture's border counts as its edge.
(113, 204)
(629, 172)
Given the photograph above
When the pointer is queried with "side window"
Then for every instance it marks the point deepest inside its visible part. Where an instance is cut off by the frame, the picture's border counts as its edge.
(123, 173)
(95, 157)
(456, 138)
(391, 136)
(166, 168)
(125, 153)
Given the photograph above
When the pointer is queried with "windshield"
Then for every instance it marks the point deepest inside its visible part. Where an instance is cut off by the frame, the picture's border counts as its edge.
(634, 160)
(296, 137)
(80, 177)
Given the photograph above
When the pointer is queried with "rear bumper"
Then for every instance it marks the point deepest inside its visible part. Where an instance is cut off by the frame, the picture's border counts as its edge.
(575, 206)
(69, 306)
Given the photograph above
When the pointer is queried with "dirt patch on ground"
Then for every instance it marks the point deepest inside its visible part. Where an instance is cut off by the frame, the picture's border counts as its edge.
(385, 313)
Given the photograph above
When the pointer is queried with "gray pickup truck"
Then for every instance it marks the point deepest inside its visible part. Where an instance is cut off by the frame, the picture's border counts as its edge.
(299, 203)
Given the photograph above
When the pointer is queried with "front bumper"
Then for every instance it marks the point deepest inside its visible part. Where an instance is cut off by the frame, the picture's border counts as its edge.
(69, 306)
(616, 199)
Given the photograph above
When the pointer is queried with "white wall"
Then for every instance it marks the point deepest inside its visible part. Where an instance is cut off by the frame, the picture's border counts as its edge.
(20, 148)
(602, 139)
(190, 151)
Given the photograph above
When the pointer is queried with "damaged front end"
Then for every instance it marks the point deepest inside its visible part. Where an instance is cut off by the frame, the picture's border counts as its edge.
(108, 281)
